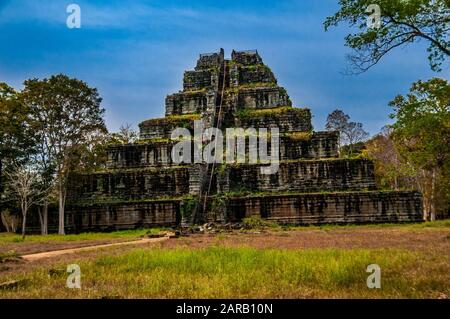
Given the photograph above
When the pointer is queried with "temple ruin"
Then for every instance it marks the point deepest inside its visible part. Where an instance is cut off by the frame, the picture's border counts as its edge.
(142, 186)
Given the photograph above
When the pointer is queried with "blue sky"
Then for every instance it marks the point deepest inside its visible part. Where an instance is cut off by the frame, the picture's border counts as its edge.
(135, 52)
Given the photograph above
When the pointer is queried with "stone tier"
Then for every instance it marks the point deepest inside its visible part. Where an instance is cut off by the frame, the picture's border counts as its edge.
(162, 128)
(130, 184)
(126, 215)
(157, 153)
(239, 75)
(286, 118)
(322, 208)
(189, 102)
(249, 57)
(259, 97)
(210, 60)
(297, 145)
(300, 209)
(250, 74)
(199, 80)
(299, 176)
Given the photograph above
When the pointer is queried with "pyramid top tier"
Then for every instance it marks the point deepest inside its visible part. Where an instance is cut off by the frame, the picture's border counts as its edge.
(248, 83)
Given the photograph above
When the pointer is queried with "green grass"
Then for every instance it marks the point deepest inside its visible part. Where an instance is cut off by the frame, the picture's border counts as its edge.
(256, 222)
(15, 238)
(5, 256)
(219, 272)
(444, 224)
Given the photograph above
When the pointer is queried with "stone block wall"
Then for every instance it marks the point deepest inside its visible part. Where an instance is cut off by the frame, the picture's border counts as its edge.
(162, 128)
(299, 176)
(353, 207)
(158, 153)
(187, 103)
(197, 80)
(314, 145)
(246, 57)
(151, 154)
(287, 119)
(117, 185)
(210, 60)
(127, 215)
(261, 97)
(247, 75)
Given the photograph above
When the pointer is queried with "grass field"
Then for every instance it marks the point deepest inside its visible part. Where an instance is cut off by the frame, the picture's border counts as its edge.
(14, 238)
(307, 262)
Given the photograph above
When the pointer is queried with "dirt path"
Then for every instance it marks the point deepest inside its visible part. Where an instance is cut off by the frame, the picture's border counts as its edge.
(56, 253)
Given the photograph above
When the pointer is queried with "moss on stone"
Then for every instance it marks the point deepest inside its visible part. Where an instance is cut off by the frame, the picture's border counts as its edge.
(172, 119)
(195, 90)
(155, 169)
(246, 113)
(299, 136)
(253, 85)
(119, 201)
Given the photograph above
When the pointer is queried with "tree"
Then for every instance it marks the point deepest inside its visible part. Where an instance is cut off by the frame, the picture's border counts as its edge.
(66, 113)
(23, 187)
(9, 220)
(401, 23)
(391, 171)
(350, 133)
(126, 135)
(422, 136)
(16, 135)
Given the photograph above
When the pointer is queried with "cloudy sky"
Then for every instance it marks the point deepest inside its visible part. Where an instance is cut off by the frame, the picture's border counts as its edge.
(135, 52)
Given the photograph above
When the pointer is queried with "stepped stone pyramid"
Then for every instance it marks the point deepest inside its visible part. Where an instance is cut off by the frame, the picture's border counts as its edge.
(142, 186)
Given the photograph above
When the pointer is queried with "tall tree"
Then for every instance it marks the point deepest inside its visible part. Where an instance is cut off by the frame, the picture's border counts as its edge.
(401, 23)
(422, 135)
(391, 171)
(66, 113)
(350, 133)
(16, 135)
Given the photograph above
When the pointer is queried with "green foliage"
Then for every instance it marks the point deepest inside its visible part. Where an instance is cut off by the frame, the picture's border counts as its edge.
(17, 137)
(247, 113)
(188, 207)
(351, 134)
(68, 123)
(299, 136)
(402, 23)
(5, 256)
(422, 136)
(422, 125)
(184, 121)
(256, 222)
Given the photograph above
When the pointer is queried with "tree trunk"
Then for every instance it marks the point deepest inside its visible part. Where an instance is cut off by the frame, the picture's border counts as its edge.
(419, 180)
(432, 197)
(5, 221)
(24, 219)
(1, 172)
(61, 209)
(45, 218)
(41, 220)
